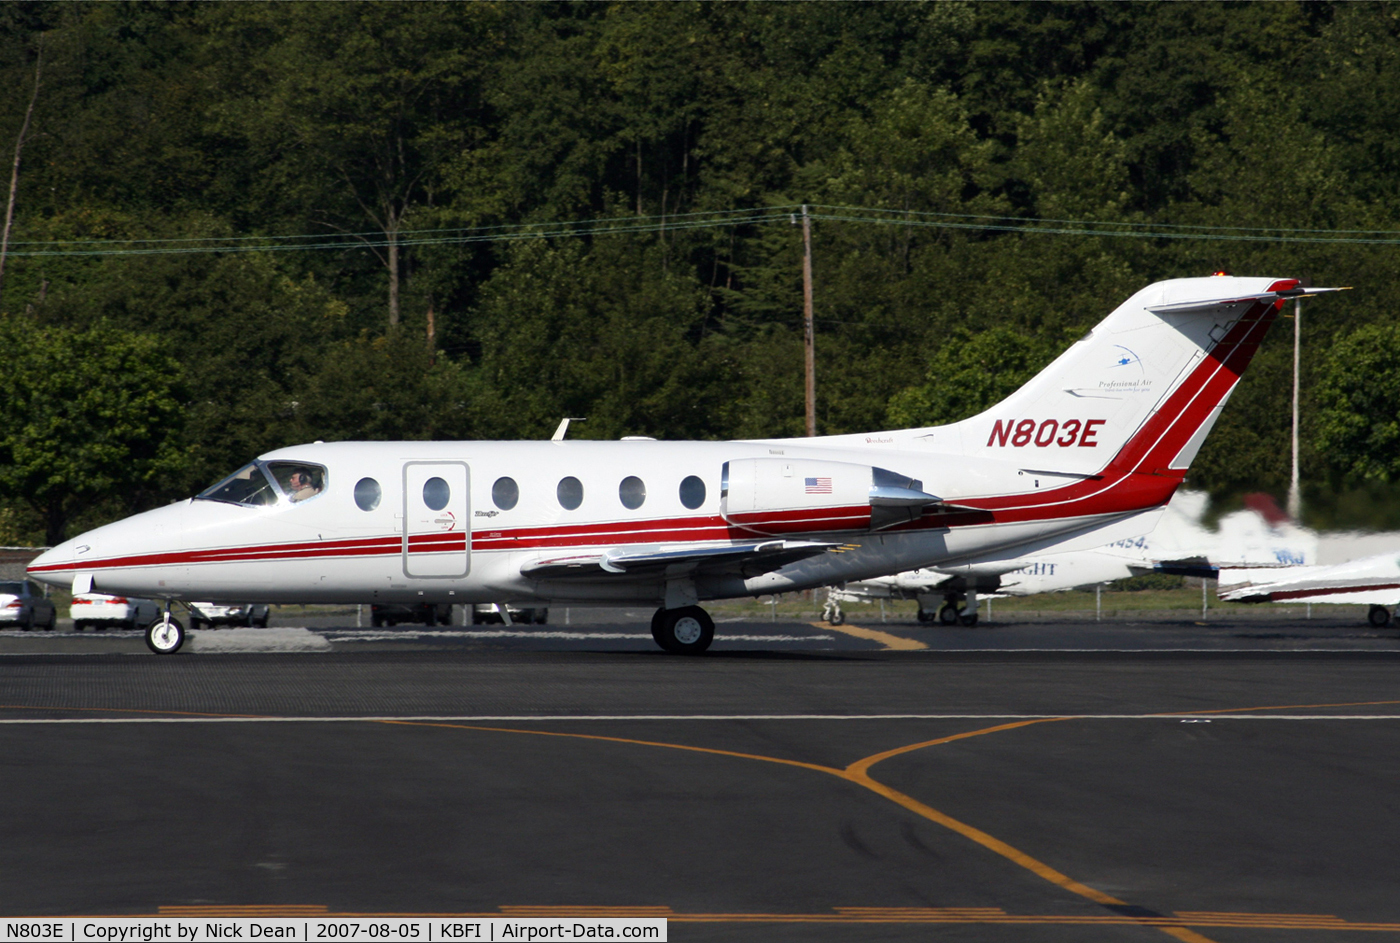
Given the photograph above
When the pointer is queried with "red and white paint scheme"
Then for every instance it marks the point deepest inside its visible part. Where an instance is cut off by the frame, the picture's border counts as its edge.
(1373, 581)
(1086, 453)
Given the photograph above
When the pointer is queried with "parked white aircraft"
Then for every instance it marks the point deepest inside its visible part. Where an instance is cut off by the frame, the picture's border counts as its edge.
(1085, 453)
(1260, 536)
(1370, 580)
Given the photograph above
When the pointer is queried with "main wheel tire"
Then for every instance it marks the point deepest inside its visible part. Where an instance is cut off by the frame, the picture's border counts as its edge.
(969, 619)
(926, 615)
(1379, 616)
(165, 638)
(837, 618)
(948, 615)
(688, 630)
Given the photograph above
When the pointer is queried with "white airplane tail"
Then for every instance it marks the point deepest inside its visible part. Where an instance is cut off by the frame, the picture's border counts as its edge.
(1138, 393)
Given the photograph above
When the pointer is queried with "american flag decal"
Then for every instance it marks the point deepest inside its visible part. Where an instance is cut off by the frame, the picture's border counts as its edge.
(818, 485)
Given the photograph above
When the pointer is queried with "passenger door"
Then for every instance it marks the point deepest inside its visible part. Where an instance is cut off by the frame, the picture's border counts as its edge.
(436, 520)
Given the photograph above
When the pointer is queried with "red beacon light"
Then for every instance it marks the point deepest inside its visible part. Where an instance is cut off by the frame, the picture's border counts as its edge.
(1220, 274)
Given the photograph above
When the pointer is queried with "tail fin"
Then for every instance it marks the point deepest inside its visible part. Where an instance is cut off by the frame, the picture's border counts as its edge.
(1139, 392)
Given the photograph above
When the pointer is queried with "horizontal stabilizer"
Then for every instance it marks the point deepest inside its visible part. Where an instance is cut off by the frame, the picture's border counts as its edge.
(752, 558)
(1195, 307)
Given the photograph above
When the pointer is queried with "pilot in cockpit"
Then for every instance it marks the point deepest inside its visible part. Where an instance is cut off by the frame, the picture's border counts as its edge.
(301, 486)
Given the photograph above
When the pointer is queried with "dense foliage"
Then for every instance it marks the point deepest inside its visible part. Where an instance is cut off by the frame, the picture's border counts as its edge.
(372, 128)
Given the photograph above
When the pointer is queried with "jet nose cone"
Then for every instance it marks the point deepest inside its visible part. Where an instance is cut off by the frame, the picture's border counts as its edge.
(57, 565)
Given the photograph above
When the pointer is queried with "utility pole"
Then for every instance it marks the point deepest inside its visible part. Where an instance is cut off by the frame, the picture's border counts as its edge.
(808, 327)
(1295, 497)
(19, 149)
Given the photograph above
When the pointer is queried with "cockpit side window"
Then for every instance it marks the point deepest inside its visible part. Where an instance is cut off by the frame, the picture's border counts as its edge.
(299, 480)
(249, 485)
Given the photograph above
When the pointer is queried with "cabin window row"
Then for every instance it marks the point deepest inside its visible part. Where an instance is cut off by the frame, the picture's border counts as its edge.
(631, 492)
(505, 493)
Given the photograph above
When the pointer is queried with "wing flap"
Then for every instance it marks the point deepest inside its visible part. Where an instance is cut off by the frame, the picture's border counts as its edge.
(643, 562)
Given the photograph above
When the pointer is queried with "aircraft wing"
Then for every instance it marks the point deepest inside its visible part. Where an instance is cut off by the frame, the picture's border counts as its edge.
(1346, 581)
(751, 559)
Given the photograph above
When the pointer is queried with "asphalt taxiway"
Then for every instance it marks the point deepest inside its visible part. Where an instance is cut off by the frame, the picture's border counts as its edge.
(1061, 781)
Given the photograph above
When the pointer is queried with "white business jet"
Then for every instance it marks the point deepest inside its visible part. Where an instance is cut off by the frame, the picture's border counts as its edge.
(1087, 452)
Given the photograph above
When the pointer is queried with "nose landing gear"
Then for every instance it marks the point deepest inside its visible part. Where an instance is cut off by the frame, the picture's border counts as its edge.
(688, 630)
(165, 635)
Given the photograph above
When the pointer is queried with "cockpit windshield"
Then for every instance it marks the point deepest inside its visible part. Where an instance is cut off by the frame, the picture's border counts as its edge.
(262, 483)
(249, 485)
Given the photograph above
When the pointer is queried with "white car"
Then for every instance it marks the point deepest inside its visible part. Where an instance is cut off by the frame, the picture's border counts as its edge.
(99, 611)
(22, 603)
(204, 614)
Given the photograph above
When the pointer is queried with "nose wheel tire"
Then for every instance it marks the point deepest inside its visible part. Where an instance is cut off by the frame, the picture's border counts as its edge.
(164, 637)
(688, 630)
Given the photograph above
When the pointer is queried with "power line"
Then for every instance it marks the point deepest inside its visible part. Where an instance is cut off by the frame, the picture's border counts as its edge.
(636, 225)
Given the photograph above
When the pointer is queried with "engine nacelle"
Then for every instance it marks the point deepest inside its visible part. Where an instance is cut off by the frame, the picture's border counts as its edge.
(779, 496)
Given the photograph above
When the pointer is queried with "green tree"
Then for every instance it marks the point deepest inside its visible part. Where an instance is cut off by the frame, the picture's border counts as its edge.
(91, 417)
(349, 111)
(970, 374)
(1358, 404)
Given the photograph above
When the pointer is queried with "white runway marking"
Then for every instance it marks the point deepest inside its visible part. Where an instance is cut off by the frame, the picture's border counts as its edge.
(556, 718)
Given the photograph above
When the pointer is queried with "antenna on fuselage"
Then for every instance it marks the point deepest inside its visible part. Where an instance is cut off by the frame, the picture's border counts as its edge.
(564, 427)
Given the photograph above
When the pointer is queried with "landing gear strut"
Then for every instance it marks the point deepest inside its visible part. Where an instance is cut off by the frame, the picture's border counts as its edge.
(688, 630)
(165, 635)
(957, 610)
(831, 612)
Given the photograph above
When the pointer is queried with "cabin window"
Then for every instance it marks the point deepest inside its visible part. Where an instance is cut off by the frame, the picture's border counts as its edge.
(632, 492)
(570, 493)
(298, 480)
(249, 485)
(692, 492)
(505, 493)
(367, 494)
(436, 494)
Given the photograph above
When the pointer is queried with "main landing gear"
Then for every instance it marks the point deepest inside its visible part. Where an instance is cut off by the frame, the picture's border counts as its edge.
(957, 609)
(688, 630)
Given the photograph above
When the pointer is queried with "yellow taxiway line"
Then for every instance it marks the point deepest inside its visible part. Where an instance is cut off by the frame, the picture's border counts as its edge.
(892, 642)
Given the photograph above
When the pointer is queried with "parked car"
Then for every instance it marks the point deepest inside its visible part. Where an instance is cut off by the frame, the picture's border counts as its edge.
(393, 613)
(22, 603)
(100, 611)
(204, 614)
(487, 612)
